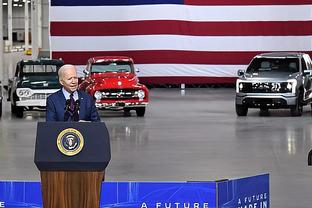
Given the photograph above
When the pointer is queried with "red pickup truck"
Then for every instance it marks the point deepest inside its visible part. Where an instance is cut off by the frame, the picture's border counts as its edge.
(112, 81)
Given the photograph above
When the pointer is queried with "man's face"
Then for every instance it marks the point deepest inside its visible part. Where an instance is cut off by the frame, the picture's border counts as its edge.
(69, 80)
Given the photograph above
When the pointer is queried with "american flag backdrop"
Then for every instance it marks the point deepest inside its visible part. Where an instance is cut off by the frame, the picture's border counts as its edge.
(179, 41)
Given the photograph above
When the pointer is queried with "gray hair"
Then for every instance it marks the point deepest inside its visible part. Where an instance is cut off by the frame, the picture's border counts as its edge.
(64, 68)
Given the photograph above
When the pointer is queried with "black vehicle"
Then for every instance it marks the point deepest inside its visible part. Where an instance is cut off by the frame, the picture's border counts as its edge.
(275, 80)
(33, 82)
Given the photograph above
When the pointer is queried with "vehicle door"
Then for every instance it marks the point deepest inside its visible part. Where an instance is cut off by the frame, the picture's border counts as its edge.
(14, 81)
(307, 77)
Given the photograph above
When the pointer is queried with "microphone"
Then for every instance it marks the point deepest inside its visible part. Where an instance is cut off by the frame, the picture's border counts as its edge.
(71, 114)
(75, 116)
(77, 105)
(67, 110)
(67, 105)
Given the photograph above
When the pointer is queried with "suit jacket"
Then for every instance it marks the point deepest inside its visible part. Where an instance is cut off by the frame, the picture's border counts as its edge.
(56, 107)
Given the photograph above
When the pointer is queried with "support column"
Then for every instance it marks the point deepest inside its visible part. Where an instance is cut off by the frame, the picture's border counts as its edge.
(34, 28)
(39, 26)
(26, 25)
(1, 43)
(10, 25)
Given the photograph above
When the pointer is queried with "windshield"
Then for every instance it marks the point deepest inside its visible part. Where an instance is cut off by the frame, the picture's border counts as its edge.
(258, 65)
(111, 67)
(40, 70)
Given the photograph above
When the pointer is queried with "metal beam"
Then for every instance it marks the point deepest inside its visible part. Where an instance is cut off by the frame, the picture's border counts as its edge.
(34, 28)
(26, 25)
(10, 25)
(1, 43)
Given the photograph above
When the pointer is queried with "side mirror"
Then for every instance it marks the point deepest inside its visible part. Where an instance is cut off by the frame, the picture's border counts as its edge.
(86, 72)
(240, 72)
(307, 73)
(137, 70)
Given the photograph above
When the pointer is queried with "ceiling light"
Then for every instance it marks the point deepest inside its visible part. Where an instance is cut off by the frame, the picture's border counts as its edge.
(15, 0)
(5, 4)
(15, 5)
(20, 5)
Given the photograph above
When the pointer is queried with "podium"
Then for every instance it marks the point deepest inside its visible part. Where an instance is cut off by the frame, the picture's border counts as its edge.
(72, 158)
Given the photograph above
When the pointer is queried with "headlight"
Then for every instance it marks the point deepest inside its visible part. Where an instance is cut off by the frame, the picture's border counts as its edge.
(276, 87)
(98, 95)
(24, 92)
(291, 85)
(239, 86)
(141, 94)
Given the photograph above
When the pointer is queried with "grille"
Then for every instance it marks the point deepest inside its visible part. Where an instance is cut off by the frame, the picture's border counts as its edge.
(119, 94)
(37, 96)
(265, 102)
(265, 87)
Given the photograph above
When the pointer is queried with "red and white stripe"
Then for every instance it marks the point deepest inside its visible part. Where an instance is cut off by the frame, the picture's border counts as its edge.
(182, 43)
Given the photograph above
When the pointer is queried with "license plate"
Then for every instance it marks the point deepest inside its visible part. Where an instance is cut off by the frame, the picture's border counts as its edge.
(120, 104)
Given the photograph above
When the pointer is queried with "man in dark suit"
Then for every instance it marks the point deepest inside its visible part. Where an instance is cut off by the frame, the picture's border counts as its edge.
(69, 104)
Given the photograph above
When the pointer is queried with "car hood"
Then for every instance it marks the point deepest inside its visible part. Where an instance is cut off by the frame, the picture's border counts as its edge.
(39, 82)
(115, 80)
(270, 76)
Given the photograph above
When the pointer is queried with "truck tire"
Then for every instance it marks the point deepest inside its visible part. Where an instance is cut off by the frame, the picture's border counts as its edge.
(264, 112)
(140, 111)
(127, 112)
(241, 110)
(298, 108)
(0, 109)
(13, 109)
(19, 112)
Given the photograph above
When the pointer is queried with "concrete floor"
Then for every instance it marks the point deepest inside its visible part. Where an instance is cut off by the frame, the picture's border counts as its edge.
(187, 136)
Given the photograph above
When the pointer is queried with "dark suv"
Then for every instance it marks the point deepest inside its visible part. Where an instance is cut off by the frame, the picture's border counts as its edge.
(275, 80)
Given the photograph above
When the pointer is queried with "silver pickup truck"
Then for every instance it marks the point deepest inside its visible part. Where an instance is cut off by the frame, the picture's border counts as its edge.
(275, 80)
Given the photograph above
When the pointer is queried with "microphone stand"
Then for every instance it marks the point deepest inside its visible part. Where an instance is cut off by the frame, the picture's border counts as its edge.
(75, 116)
(71, 115)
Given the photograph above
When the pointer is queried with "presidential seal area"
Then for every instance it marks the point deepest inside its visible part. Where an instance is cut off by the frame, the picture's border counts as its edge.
(70, 142)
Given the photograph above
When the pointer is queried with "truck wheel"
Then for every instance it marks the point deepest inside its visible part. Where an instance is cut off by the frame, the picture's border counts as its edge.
(140, 111)
(13, 109)
(0, 109)
(241, 110)
(298, 108)
(127, 112)
(264, 112)
(13, 103)
(19, 112)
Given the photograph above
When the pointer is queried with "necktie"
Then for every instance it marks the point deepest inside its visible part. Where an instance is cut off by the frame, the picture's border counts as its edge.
(72, 102)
